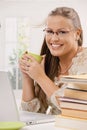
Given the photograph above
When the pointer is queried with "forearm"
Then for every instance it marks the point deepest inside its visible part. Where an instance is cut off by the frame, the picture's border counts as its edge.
(29, 100)
(28, 89)
(47, 85)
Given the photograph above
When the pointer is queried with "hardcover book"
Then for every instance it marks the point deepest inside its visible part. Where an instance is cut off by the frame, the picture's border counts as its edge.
(74, 113)
(73, 105)
(75, 93)
(81, 79)
(70, 123)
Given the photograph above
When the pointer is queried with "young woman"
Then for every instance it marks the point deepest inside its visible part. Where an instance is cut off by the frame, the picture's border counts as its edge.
(63, 55)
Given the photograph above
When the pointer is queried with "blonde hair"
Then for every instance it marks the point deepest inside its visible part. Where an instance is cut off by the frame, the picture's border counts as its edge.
(52, 62)
(71, 14)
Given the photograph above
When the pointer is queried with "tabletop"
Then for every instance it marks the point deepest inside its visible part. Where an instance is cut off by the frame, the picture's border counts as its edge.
(45, 126)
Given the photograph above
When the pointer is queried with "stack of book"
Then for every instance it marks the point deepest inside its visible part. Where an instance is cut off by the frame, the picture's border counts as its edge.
(74, 102)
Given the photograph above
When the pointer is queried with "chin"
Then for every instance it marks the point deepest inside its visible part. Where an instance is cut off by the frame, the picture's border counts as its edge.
(54, 53)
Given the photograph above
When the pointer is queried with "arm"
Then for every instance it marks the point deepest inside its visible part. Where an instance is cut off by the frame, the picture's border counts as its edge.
(30, 94)
(28, 89)
(37, 73)
(27, 82)
(46, 84)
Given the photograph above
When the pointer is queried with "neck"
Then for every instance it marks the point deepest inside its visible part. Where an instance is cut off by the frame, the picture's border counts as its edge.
(66, 62)
(64, 69)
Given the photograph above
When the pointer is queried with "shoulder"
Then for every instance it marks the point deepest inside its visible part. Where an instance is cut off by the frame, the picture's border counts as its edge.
(83, 52)
(79, 63)
(81, 56)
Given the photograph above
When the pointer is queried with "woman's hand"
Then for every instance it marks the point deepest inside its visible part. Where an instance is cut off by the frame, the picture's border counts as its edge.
(33, 68)
(22, 64)
(27, 82)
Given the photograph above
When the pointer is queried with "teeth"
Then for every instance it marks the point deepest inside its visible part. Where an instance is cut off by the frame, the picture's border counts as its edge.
(55, 45)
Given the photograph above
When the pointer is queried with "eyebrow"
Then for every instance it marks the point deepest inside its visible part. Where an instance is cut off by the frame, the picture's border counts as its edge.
(59, 29)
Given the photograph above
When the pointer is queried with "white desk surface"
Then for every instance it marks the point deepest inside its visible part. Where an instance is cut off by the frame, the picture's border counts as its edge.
(27, 116)
(45, 126)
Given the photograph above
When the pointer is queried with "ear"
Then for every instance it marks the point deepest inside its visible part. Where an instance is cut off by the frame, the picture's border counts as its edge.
(78, 32)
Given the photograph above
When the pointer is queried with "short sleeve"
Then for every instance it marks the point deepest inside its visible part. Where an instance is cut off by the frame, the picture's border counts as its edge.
(56, 94)
(32, 106)
(79, 63)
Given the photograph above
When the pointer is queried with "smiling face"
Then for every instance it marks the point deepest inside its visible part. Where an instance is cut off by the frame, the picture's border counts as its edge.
(61, 36)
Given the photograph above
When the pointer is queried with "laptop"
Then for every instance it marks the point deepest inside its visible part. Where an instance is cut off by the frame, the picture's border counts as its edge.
(8, 107)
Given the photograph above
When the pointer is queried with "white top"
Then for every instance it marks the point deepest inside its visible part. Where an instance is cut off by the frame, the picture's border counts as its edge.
(79, 66)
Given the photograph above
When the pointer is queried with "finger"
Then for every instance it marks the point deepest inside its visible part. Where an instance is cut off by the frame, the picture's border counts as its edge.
(24, 69)
(21, 63)
(24, 61)
(25, 56)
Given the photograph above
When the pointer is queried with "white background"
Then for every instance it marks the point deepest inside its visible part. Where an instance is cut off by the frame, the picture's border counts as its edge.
(37, 10)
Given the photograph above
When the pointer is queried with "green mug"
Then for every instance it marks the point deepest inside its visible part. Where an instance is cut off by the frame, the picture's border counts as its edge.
(36, 56)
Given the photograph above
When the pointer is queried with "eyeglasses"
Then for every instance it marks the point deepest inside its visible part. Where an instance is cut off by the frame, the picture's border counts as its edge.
(60, 33)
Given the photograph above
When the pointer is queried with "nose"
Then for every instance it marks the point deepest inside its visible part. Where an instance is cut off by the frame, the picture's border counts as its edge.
(55, 37)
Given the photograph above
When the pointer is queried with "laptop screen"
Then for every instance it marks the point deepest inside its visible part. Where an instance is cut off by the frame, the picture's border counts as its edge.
(8, 107)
